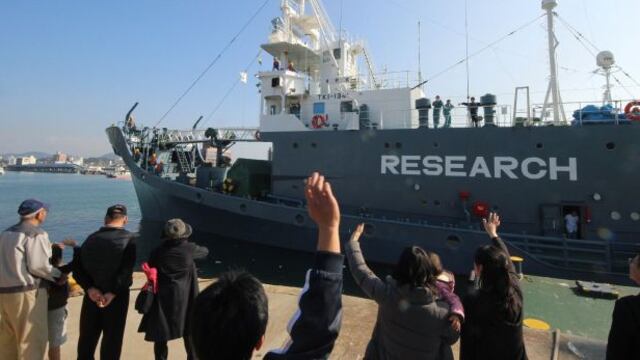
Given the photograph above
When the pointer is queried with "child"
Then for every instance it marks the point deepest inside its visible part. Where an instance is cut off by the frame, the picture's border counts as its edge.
(57, 315)
(446, 283)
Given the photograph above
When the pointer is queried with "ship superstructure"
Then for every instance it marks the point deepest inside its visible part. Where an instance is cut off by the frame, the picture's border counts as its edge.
(410, 183)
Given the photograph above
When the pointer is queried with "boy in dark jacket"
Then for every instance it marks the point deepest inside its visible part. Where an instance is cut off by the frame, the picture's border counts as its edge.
(230, 316)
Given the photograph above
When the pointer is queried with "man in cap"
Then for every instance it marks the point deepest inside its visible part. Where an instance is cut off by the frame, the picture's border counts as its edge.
(104, 269)
(24, 262)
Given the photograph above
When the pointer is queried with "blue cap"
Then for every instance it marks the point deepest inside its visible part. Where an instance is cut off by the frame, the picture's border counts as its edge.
(31, 206)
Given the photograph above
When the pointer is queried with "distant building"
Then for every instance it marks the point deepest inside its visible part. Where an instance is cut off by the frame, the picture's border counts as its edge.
(26, 160)
(60, 158)
(78, 161)
(11, 160)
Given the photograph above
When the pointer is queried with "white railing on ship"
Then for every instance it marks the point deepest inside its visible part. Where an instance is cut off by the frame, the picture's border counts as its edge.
(503, 116)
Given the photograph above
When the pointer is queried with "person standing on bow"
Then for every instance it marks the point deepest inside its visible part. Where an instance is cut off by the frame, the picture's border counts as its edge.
(177, 288)
(472, 108)
(437, 107)
(446, 110)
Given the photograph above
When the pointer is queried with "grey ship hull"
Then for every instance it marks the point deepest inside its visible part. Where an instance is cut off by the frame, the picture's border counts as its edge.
(408, 219)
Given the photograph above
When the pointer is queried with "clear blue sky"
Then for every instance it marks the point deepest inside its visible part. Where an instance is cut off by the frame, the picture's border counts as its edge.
(70, 68)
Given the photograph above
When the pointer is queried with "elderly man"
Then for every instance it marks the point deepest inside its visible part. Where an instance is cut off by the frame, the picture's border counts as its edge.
(24, 262)
(104, 269)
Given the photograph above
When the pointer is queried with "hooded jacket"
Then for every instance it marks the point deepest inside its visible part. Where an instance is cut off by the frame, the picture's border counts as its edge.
(24, 258)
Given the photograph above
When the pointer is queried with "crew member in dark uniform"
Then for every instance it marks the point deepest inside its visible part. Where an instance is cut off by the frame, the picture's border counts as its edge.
(104, 269)
(472, 107)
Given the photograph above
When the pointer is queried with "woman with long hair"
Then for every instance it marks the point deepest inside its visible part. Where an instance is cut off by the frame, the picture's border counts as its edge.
(493, 324)
(412, 321)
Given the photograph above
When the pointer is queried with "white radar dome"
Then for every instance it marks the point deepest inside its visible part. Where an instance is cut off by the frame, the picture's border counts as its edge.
(605, 59)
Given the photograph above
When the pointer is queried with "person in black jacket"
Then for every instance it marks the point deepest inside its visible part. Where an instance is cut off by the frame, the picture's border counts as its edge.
(493, 326)
(624, 336)
(104, 269)
(177, 289)
(472, 107)
(230, 316)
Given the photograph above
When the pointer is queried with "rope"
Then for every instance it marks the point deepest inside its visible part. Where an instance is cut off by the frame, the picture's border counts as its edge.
(226, 95)
(490, 45)
(215, 60)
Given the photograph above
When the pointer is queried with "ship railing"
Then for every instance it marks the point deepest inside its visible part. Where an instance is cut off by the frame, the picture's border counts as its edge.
(504, 116)
(385, 80)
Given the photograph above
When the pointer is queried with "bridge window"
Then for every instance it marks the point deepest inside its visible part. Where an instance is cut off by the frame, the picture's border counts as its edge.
(346, 106)
(318, 108)
(337, 53)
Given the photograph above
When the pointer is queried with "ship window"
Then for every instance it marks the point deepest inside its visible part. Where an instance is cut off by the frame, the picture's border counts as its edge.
(539, 145)
(398, 145)
(337, 53)
(635, 216)
(275, 82)
(318, 108)
(615, 215)
(346, 106)
(611, 146)
(435, 145)
(436, 203)
(453, 242)
(295, 145)
(387, 145)
(314, 145)
(326, 56)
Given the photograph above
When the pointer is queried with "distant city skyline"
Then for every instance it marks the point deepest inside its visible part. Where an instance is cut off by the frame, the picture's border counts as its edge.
(71, 68)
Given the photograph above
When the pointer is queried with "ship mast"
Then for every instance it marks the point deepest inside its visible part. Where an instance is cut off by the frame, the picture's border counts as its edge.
(553, 90)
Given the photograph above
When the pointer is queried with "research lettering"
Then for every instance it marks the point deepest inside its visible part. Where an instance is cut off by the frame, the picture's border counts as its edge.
(498, 167)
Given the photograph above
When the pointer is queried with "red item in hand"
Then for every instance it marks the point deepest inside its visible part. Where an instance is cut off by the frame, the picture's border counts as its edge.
(152, 276)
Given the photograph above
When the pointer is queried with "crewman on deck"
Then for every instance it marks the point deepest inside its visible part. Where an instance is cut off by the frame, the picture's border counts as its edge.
(437, 107)
(276, 64)
(472, 108)
(290, 67)
(448, 106)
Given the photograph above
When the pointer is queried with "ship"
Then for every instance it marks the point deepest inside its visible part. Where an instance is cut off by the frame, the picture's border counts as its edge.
(409, 182)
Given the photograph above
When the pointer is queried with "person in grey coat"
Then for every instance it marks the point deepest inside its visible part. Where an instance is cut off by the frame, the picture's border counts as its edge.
(412, 322)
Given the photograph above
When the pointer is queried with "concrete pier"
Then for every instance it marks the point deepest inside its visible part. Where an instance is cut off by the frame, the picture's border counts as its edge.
(358, 321)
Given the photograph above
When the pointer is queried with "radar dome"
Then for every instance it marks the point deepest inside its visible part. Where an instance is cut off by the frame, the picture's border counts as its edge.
(605, 59)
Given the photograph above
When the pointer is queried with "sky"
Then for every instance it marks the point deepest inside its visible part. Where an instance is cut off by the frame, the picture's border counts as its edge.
(70, 68)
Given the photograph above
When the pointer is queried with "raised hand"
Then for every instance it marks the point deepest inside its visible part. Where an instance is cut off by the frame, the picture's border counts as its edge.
(355, 235)
(491, 224)
(324, 210)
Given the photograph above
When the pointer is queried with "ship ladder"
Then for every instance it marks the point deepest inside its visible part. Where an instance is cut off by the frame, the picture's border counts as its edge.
(182, 162)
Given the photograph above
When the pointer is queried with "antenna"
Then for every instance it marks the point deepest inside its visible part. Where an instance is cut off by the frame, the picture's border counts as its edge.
(553, 91)
(419, 62)
(466, 43)
(605, 61)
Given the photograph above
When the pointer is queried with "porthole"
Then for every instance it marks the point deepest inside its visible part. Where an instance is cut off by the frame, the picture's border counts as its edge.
(453, 242)
(597, 196)
(387, 145)
(634, 216)
(436, 145)
(243, 207)
(299, 219)
(611, 145)
(436, 202)
(615, 215)
(314, 145)
(539, 146)
(416, 187)
(295, 145)
(424, 202)
(398, 145)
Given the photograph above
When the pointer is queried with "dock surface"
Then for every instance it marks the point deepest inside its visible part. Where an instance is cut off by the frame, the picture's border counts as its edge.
(359, 318)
